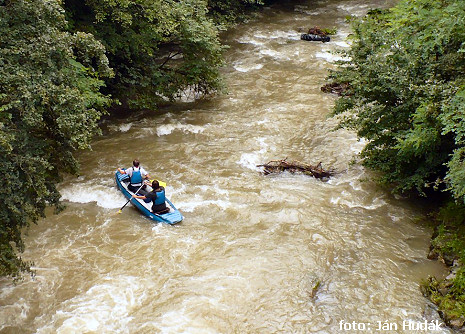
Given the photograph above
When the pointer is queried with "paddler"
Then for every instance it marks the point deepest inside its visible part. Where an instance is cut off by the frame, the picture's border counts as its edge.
(157, 196)
(137, 174)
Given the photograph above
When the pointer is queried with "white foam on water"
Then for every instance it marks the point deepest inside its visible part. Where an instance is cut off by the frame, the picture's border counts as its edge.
(158, 229)
(122, 127)
(246, 68)
(252, 159)
(328, 56)
(250, 40)
(342, 44)
(205, 195)
(145, 132)
(356, 185)
(105, 197)
(352, 177)
(280, 35)
(104, 308)
(273, 54)
(6, 290)
(125, 127)
(199, 201)
(167, 129)
(319, 239)
(357, 10)
(375, 204)
(263, 121)
(216, 188)
(305, 10)
(10, 313)
(394, 218)
(181, 189)
(358, 146)
(292, 35)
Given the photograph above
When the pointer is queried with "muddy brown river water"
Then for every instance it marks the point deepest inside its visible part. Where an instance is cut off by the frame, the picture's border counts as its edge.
(251, 248)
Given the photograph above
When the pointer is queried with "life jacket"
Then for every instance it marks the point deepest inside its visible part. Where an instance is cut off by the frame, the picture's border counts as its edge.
(159, 204)
(136, 177)
(160, 197)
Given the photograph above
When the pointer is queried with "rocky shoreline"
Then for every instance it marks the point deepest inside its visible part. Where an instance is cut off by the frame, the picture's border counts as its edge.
(447, 294)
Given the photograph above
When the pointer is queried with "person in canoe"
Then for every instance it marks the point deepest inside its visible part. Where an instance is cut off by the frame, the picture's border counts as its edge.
(137, 174)
(157, 196)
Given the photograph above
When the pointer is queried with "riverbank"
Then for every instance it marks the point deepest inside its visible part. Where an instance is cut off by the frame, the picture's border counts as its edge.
(448, 246)
(405, 96)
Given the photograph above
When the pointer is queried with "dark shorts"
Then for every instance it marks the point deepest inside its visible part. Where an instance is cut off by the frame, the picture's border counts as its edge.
(159, 208)
(142, 191)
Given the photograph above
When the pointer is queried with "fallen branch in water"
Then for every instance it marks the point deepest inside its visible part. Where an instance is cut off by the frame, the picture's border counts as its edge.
(336, 88)
(292, 166)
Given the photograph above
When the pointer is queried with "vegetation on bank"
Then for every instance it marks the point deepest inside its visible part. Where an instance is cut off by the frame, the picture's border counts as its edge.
(448, 245)
(404, 91)
(50, 103)
(63, 64)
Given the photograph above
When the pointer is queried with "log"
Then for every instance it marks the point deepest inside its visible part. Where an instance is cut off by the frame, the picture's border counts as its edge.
(316, 31)
(310, 37)
(292, 166)
(316, 34)
(336, 88)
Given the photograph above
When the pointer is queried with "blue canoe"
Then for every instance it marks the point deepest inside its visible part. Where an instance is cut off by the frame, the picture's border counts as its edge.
(171, 217)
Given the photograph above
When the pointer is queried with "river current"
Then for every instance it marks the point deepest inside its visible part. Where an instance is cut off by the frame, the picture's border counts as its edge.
(255, 254)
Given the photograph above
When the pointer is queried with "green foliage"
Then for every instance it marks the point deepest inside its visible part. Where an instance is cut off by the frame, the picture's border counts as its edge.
(450, 237)
(406, 96)
(158, 49)
(329, 31)
(49, 107)
(226, 13)
(450, 304)
(52, 93)
(449, 243)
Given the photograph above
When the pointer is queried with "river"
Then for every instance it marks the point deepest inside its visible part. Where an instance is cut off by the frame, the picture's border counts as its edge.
(252, 248)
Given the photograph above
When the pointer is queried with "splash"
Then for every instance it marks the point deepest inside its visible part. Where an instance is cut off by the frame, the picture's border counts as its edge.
(329, 57)
(274, 54)
(125, 127)
(167, 129)
(252, 159)
(105, 197)
(246, 68)
(352, 201)
(207, 195)
(190, 206)
(104, 308)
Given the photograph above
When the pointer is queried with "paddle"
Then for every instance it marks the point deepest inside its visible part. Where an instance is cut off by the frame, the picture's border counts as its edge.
(129, 200)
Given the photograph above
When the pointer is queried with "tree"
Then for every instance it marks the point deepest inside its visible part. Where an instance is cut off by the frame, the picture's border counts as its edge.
(406, 78)
(49, 107)
(226, 12)
(158, 48)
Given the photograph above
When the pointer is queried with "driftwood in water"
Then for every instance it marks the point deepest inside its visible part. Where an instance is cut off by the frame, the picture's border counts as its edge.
(311, 37)
(278, 166)
(317, 31)
(316, 34)
(335, 88)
